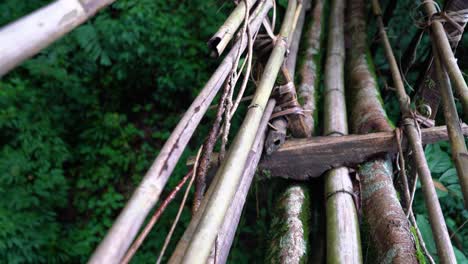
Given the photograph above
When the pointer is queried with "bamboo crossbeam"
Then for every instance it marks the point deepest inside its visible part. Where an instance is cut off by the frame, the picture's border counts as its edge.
(439, 36)
(436, 218)
(457, 141)
(230, 172)
(342, 224)
(27, 36)
(226, 32)
(125, 228)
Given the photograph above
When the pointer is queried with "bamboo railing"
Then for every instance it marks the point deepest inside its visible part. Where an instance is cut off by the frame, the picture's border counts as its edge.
(27, 36)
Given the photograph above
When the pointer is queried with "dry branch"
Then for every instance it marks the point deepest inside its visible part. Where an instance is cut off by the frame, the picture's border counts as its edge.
(436, 218)
(27, 36)
(119, 237)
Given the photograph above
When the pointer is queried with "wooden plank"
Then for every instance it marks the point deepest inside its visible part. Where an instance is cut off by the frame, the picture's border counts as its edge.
(301, 159)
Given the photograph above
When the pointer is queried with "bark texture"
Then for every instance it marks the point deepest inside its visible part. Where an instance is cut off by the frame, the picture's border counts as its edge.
(388, 226)
(290, 224)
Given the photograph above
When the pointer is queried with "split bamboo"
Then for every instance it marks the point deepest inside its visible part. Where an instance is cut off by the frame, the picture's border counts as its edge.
(225, 33)
(230, 172)
(457, 141)
(439, 36)
(436, 218)
(27, 36)
(124, 229)
(388, 226)
(343, 237)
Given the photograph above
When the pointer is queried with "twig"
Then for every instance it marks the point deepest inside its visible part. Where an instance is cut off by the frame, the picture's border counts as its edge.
(181, 208)
(137, 243)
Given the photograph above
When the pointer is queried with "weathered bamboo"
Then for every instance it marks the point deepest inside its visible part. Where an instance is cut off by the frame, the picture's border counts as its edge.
(277, 134)
(428, 95)
(228, 229)
(343, 237)
(27, 36)
(436, 218)
(225, 33)
(291, 219)
(119, 237)
(387, 223)
(311, 66)
(439, 36)
(231, 170)
(289, 241)
(457, 141)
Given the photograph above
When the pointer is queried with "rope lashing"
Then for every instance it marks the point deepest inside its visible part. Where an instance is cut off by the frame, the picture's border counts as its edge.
(455, 18)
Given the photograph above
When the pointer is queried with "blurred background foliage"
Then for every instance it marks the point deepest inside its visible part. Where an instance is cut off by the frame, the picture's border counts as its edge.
(82, 121)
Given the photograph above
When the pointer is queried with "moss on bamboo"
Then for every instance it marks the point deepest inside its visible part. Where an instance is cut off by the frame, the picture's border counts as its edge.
(288, 243)
(388, 225)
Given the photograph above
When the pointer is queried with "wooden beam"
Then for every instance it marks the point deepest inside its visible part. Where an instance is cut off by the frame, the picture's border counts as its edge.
(301, 159)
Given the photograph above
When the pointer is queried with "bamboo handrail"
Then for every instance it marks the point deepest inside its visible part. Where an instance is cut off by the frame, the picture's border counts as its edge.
(230, 172)
(436, 218)
(125, 228)
(27, 36)
(457, 141)
(439, 36)
(225, 33)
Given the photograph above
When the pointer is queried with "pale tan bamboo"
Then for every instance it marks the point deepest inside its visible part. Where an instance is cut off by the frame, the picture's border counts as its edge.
(230, 172)
(439, 36)
(225, 33)
(125, 228)
(343, 237)
(436, 218)
(27, 36)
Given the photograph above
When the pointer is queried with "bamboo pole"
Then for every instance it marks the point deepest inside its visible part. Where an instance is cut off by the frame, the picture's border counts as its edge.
(438, 35)
(230, 172)
(310, 69)
(387, 224)
(291, 220)
(124, 229)
(343, 238)
(228, 229)
(428, 94)
(225, 33)
(27, 36)
(436, 218)
(457, 141)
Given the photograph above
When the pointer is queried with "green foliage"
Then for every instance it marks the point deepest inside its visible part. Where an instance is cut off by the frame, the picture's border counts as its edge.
(82, 122)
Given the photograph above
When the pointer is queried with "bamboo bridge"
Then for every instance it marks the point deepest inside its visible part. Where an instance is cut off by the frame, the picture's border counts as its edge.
(354, 155)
